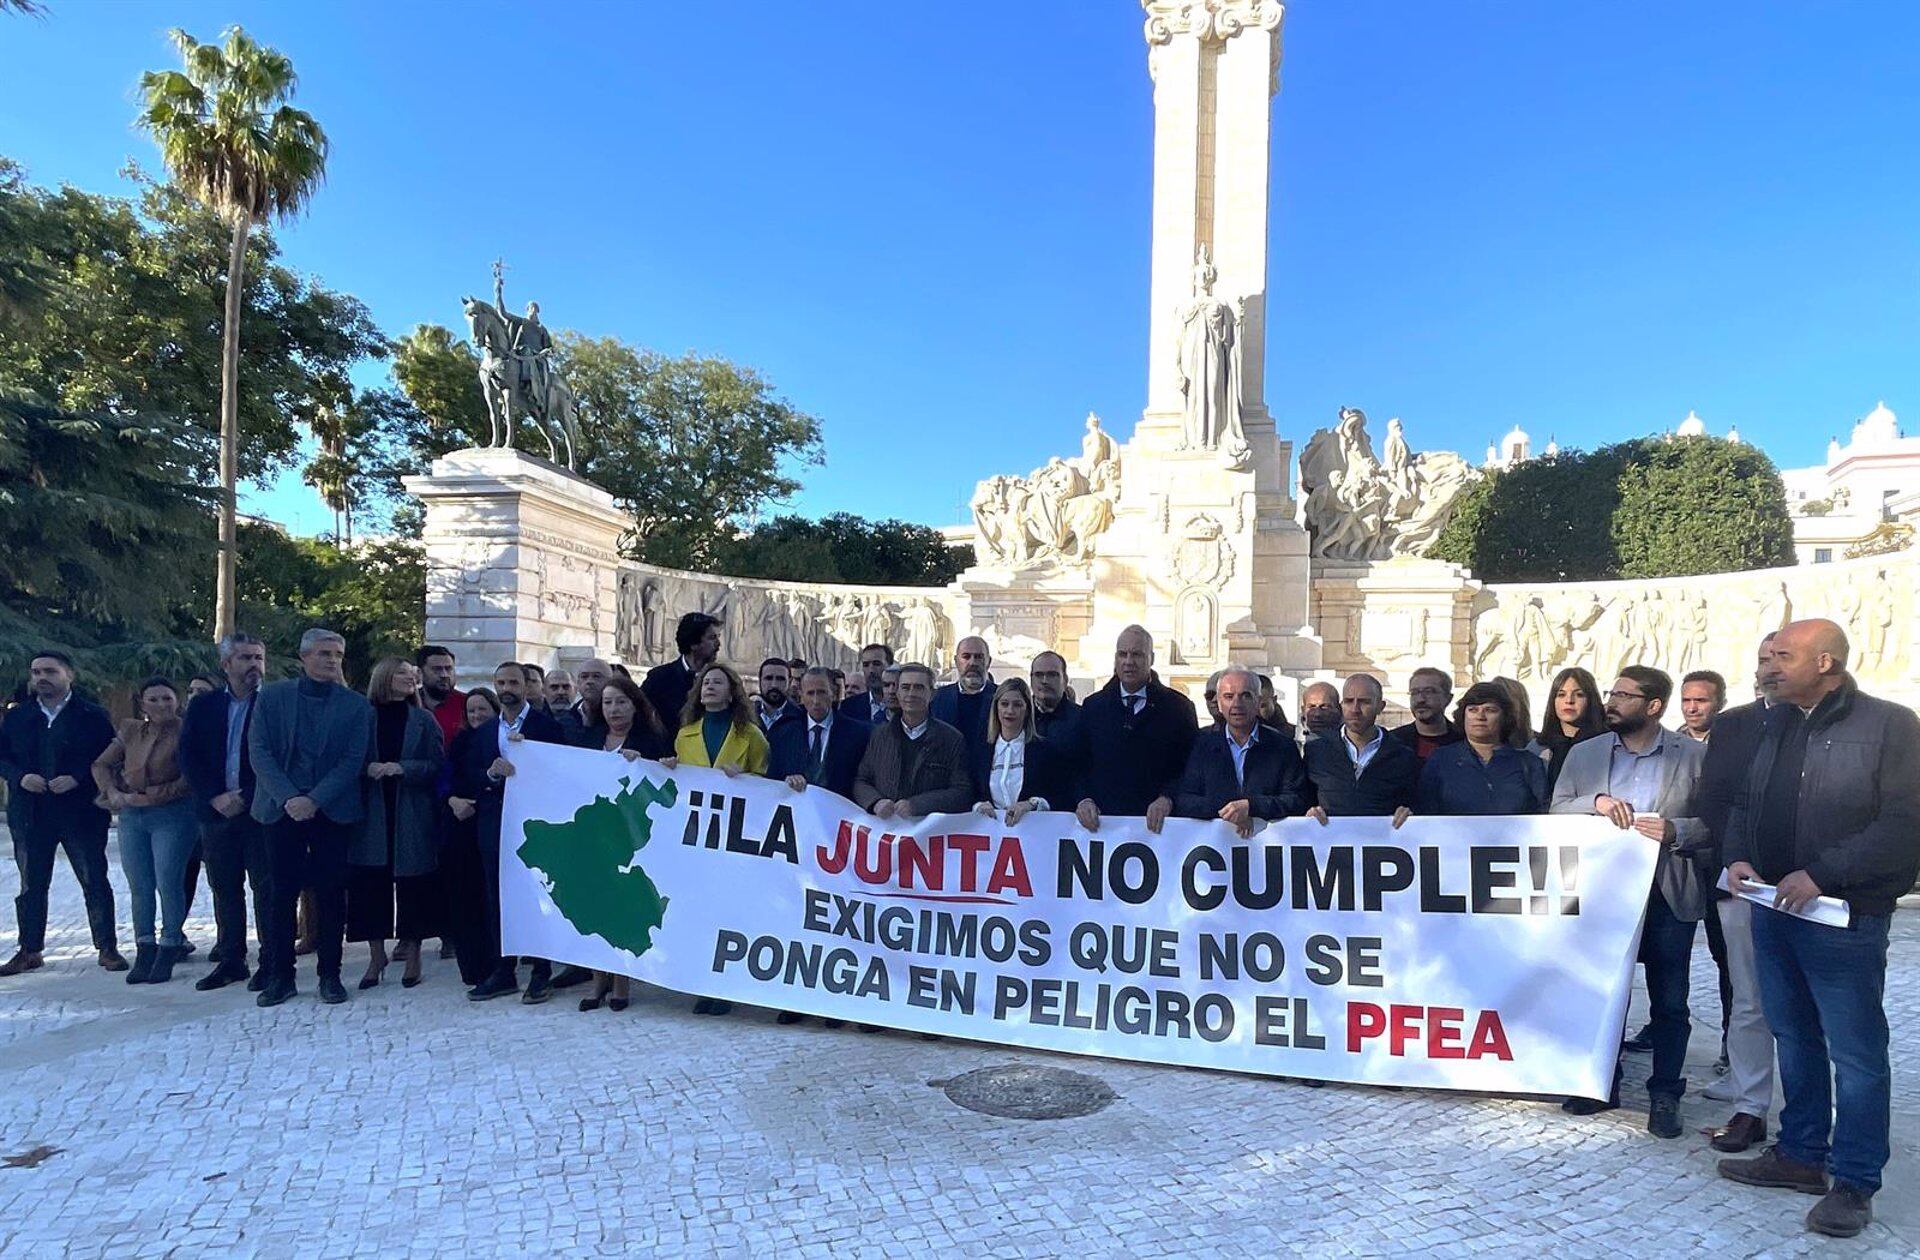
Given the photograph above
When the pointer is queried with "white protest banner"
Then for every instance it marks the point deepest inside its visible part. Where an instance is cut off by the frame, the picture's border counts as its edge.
(1490, 954)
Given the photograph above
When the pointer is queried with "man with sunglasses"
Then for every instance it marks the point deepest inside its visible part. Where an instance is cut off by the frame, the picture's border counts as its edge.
(1643, 776)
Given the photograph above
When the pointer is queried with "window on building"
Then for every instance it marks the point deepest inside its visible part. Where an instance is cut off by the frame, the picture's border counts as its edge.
(1823, 555)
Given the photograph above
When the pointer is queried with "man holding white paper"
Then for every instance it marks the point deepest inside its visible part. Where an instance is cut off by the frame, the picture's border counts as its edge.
(1831, 808)
(1642, 776)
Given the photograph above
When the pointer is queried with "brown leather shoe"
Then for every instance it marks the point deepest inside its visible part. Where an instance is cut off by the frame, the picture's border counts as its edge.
(1740, 1133)
(110, 960)
(22, 961)
(1774, 1171)
(1843, 1213)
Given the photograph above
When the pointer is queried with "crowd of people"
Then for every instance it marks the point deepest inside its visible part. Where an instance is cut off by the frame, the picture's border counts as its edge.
(375, 817)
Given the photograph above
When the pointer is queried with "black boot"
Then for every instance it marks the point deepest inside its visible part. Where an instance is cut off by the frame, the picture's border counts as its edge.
(143, 956)
(163, 961)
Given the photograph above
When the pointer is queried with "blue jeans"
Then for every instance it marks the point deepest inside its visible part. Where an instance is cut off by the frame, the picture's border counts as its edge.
(155, 843)
(1823, 990)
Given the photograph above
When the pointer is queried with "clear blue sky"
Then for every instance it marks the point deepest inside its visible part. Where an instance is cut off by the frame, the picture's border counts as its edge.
(928, 224)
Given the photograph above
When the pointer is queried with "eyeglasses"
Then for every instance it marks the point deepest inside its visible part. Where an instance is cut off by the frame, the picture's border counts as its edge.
(1624, 695)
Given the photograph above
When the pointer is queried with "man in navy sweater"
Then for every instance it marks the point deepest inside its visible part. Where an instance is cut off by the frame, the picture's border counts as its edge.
(1357, 770)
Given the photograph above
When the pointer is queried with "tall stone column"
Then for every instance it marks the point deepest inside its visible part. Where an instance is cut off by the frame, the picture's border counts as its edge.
(522, 560)
(1204, 550)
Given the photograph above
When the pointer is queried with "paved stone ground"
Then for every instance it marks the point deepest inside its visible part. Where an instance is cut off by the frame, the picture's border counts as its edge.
(417, 1123)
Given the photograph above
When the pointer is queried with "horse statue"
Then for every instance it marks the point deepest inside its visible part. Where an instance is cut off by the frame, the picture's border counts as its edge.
(507, 379)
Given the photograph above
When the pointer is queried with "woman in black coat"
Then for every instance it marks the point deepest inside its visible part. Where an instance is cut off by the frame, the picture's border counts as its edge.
(1575, 715)
(1018, 771)
(395, 853)
(464, 883)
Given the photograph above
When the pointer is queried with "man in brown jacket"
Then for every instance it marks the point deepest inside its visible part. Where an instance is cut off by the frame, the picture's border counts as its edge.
(917, 765)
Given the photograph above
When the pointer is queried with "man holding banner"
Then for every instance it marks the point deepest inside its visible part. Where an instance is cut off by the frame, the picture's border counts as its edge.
(1643, 777)
(1246, 772)
(1831, 810)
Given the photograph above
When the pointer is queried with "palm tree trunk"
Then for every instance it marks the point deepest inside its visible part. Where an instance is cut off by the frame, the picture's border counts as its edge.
(224, 590)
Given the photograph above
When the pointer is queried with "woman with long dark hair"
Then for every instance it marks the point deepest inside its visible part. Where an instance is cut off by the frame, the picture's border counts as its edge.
(628, 726)
(393, 891)
(464, 883)
(718, 729)
(1574, 715)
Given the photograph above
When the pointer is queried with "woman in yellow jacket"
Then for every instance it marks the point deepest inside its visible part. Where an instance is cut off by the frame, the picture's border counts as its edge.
(717, 728)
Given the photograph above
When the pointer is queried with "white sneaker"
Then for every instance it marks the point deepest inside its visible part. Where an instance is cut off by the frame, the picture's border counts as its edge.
(1720, 1090)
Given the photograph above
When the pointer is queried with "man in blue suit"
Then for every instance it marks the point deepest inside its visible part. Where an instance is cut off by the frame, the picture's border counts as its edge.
(215, 760)
(967, 705)
(821, 749)
(1245, 771)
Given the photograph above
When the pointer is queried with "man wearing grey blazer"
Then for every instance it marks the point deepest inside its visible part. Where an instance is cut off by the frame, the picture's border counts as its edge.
(308, 742)
(1643, 777)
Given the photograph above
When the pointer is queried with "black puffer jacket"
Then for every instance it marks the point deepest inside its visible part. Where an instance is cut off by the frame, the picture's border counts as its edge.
(1857, 833)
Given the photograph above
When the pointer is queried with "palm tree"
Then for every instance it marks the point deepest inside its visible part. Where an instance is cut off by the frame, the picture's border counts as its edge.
(232, 144)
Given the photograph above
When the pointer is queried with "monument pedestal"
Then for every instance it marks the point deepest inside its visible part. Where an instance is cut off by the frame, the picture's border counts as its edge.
(1389, 617)
(522, 560)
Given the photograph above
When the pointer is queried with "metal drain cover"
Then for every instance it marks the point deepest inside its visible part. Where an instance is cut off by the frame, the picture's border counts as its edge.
(1020, 1091)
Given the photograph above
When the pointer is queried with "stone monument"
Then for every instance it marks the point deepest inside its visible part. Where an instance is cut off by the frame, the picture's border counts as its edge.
(1191, 527)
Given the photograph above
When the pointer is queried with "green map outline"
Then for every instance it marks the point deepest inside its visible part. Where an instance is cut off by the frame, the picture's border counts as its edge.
(592, 869)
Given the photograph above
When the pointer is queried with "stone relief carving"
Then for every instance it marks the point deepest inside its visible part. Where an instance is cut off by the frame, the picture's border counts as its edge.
(1055, 513)
(1209, 370)
(1195, 615)
(1531, 634)
(1360, 507)
(823, 627)
(1201, 556)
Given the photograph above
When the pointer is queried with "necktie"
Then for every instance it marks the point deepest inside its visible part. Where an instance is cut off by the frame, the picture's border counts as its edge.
(1135, 703)
(816, 739)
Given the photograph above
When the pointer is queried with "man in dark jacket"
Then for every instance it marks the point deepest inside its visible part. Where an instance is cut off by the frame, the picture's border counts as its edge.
(1429, 692)
(666, 686)
(1831, 809)
(917, 765)
(1133, 740)
(966, 704)
(214, 758)
(1357, 770)
(47, 748)
(870, 705)
(1747, 1042)
(1246, 772)
(485, 771)
(821, 748)
(308, 743)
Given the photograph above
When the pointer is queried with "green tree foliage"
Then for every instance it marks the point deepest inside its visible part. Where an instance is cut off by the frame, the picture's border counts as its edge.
(440, 373)
(123, 316)
(842, 548)
(374, 593)
(1654, 507)
(690, 445)
(86, 501)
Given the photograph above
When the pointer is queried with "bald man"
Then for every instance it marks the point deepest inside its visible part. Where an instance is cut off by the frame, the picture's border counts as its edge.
(1831, 808)
(1319, 711)
(1133, 739)
(967, 703)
